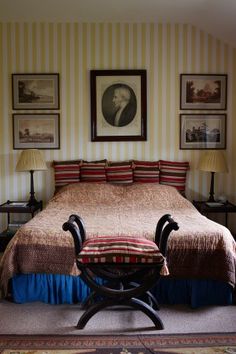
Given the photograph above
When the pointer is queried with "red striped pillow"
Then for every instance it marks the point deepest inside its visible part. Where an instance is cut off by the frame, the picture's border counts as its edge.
(66, 172)
(146, 171)
(119, 172)
(174, 173)
(93, 171)
(128, 249)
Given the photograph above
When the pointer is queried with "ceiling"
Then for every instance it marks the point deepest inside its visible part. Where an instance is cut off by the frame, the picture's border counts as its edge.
(217, 17)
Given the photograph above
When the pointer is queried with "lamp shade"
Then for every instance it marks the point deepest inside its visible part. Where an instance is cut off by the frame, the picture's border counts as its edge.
(213, 161)
(31, 160)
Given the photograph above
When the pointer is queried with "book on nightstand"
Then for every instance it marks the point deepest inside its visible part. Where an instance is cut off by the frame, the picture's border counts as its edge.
(17, 204)
(214, 204)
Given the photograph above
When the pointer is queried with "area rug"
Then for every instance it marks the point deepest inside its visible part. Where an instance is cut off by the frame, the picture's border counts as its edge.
(130, 344)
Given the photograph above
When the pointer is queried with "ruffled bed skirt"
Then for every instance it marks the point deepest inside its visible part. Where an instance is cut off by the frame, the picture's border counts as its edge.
(66, 289)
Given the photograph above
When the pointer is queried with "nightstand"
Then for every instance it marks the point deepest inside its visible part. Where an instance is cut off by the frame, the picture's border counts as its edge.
(205, 208)
(11, 207)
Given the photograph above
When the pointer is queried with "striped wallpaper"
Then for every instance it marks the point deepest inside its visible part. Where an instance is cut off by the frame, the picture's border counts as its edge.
(72, 50)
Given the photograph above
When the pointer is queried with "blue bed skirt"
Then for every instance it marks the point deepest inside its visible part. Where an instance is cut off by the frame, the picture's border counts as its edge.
(66, 289)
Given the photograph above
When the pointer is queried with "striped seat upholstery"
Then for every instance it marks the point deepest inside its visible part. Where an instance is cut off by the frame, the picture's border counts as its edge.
(105, 249)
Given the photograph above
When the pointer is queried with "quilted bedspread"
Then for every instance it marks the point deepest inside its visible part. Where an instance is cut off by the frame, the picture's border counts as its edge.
(200, 249)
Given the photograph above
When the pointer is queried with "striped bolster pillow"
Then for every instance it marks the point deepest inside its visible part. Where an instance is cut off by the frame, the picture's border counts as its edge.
(66, 172)
(93, 171)
(146, 171)
(105, 249)
(119, 172)
(174, 174)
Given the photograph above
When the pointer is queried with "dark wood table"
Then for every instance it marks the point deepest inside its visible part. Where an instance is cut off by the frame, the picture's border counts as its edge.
(204, 208)
(20, 207)
(10, 207)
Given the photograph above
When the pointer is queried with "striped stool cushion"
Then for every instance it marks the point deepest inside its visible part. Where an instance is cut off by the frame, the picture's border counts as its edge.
(104, 249)
(174, 174)
(119, 172)
(93, 171)
(146, 171)
(66, 172)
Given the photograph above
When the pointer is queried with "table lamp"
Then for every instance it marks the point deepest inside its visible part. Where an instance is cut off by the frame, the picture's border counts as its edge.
(212, 161)
(31, 160)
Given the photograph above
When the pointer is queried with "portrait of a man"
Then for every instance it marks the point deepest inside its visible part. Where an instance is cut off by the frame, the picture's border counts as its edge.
(119, 105)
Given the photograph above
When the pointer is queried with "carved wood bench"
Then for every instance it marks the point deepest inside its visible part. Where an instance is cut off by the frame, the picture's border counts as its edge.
(127, 267)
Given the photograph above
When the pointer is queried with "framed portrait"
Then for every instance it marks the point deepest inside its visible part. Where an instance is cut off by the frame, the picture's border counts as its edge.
(202, 131)
(118, 105)
(35, 91)
(36, 131)
(203, 91)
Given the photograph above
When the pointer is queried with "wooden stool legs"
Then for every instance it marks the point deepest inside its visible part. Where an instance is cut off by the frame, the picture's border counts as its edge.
(123, 284)
(133, 302)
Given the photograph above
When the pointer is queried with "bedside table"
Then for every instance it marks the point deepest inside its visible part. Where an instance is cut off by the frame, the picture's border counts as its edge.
(225, 208)
(11, 207)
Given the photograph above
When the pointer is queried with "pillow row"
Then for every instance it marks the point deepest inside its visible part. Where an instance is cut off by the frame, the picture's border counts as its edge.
(164, 172)
(67, 172)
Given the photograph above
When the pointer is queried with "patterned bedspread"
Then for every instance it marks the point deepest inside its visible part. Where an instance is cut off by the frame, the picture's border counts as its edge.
(200, 248)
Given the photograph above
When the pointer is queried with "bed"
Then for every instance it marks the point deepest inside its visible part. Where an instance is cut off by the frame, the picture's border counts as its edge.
(39, 262)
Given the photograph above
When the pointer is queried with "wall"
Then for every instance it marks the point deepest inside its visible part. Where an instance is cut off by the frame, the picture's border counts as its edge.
(72, 49)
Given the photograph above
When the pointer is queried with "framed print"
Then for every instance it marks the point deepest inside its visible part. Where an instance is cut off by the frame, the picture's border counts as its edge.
(35, 91)
(36, 131)
(118, 105)
(202, 131)
(203, 91)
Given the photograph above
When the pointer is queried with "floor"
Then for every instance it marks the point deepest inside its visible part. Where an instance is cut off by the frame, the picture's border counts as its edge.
(39, 318)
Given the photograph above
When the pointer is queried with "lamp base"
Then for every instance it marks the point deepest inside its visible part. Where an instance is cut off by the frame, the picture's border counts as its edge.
(211, 199)
(211, 194)
(32, 202)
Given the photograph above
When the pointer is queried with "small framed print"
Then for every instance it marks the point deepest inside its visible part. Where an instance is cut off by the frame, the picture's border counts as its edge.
(36, 131)
(203, 91)
(118, 105)
(202, 131)
(35, 91)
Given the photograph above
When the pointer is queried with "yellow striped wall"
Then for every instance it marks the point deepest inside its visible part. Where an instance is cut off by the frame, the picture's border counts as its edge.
(72, 50)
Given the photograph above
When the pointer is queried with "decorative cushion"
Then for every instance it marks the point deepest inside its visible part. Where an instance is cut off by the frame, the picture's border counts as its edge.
(105, 249)
(173, 173)
(119, 172)
(146, 171)
(93, 171)
(66, 172)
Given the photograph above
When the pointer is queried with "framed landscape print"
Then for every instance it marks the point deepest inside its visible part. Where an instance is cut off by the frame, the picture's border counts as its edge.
(35, 91)
(118, 105)
(36, 131)
(202, 131)
(203, 91)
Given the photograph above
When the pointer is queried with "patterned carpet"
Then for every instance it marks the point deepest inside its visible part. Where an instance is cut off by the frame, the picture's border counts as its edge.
(130, 344)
